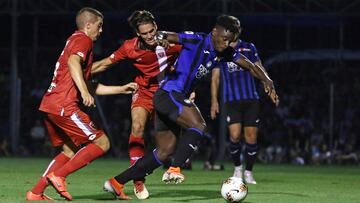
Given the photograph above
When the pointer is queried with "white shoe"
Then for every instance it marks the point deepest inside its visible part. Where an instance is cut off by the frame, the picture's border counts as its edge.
(238, 172)
(173, 175)
(140, 190)
(249, 178)
(108, 188)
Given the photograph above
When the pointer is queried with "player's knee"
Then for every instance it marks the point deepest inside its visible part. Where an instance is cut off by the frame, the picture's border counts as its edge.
(137, 129)
(164, 153)
(103, 142)
(201, 126)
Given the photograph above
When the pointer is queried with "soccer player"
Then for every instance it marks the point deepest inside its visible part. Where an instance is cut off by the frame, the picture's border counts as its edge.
(150, 59)
(241, 101)
(68, 126)
(174, 111)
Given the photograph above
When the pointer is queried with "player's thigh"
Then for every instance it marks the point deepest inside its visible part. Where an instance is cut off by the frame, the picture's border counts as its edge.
(191, 117)
(234, 112)
(176, 107)
(251, 113)
(57, 136)
(144, 98)
(78, 127)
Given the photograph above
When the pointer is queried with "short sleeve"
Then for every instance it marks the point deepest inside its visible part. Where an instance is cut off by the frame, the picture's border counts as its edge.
(189, 39)
(254, 52)
(81, 46)
(119, 54)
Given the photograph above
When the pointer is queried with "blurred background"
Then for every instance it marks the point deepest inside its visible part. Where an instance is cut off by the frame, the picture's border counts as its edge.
(309, 47)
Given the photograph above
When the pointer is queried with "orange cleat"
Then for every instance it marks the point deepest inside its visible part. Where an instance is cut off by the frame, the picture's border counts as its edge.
(173, 175)
(115, 188)
(30, 196)
(59, 184)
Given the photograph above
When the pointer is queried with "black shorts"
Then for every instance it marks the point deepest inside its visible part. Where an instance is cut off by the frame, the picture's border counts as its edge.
(168, 107)
(245, 112)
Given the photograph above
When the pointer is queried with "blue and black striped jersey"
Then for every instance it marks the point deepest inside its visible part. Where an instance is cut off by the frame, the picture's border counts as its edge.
(196, 59)
(238, 83)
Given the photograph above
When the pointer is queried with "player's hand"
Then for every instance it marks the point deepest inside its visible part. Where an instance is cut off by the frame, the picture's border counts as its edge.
(214, 109)
(88, 100)
(192, 97)
(130, 88)
(163, 42)
(271, 92)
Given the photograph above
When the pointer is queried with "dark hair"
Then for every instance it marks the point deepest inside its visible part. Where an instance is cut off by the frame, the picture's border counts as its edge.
(139, 18)
(83, 16)
(90, 10)
(230, 23)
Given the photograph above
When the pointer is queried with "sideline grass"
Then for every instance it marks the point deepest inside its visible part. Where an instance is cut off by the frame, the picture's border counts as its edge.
(276, 183)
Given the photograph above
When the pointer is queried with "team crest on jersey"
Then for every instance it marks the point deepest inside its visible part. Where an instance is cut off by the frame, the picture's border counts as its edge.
(201, 71)
(80, 54)
(232, 67)
(208, 64)
(161, 54)
(228, 119)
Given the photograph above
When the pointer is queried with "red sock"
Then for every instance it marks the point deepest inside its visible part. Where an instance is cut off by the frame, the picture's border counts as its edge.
(83, 157)
(56, 163)
(136, 148)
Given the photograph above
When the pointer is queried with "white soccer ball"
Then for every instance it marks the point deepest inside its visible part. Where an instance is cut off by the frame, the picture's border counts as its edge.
(234, 189)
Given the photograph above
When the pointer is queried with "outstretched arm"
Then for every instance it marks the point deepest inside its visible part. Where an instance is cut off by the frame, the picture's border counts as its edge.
(215, 81)
(119, 89)
(170, 37)
(258, 72)
(100, 66)
(74, 64)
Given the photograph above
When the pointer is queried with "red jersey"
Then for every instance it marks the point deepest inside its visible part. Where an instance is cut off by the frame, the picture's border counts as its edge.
(62, 96)
(149, 63)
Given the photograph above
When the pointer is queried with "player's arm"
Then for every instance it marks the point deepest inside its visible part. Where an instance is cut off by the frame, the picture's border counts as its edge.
(117, 89)
(259, 73)
(77, 75)
(170, 37)
(215, 81)
(100, 66)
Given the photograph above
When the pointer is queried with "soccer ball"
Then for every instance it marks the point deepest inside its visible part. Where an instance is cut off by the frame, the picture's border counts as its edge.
(234, 189)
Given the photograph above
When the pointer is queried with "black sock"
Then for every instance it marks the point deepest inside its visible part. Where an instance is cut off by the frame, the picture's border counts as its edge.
(250, 150)
(235, 151)
(186, 146)
(143, 167)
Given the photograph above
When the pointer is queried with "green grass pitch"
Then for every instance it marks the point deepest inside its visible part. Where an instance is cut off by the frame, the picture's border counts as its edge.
(276, 183)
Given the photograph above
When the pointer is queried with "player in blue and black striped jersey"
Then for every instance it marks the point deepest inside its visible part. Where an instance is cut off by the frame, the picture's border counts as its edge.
(241, 101)
(200, 53)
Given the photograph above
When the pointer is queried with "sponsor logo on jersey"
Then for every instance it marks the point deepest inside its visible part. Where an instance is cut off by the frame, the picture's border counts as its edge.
(81, 54)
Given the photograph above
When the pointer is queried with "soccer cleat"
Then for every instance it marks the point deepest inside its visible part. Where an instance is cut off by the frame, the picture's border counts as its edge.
(238, 172)
(173, 175)
(140, 190)
(112, 186)
(59, 184)
(30, 196)
(249, 178)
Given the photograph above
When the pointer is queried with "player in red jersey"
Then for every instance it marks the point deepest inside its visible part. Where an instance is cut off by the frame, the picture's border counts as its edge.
(150, 59)
(68, 126)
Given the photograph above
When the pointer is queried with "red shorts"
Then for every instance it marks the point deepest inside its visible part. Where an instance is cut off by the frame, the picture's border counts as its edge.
(77, 128)
(143, 98)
